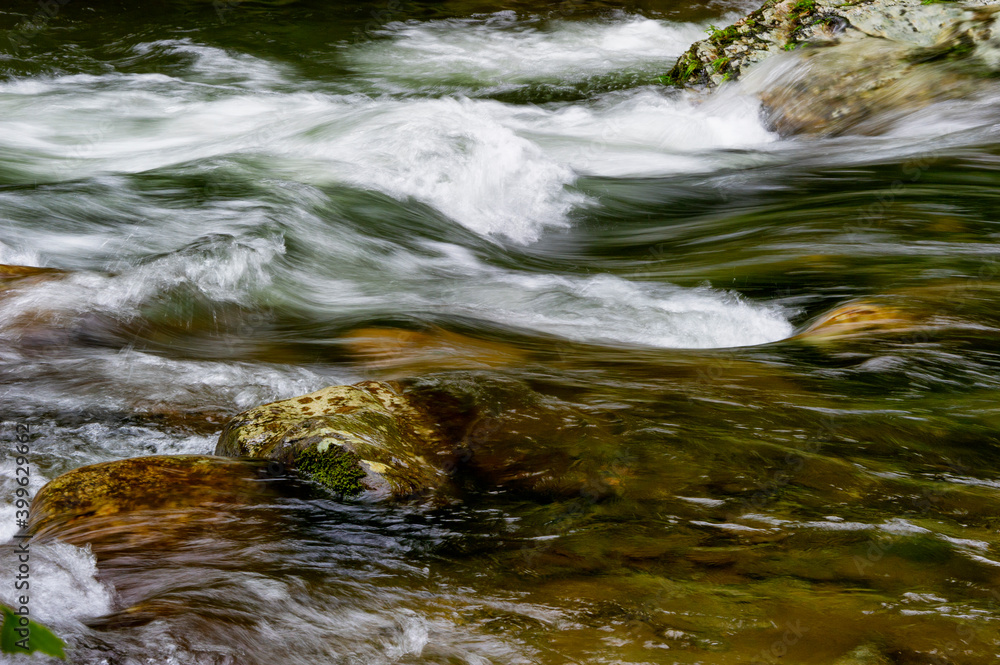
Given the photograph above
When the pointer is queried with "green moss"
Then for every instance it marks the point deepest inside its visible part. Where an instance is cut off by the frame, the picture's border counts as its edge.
(338, 469)
(720, 64)
(682, 72)
(722, 36)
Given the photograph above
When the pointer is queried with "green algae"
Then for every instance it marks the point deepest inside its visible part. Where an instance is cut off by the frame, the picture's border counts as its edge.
(338, 469)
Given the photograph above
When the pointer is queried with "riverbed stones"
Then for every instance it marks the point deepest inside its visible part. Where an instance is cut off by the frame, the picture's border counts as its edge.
(833, 67)
(366, 438)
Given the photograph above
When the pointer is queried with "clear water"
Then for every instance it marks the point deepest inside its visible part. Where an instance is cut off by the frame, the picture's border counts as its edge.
(236, 187)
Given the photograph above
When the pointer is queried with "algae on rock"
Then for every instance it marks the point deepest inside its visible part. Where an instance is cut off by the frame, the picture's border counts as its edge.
(352, 439)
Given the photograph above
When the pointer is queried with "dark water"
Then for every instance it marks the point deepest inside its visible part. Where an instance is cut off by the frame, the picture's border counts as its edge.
(238, 188)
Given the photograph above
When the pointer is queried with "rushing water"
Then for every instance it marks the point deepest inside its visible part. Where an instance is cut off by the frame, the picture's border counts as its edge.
(235, 187)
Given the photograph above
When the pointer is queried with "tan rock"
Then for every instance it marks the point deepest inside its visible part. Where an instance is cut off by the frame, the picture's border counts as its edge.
(857, 318)
(435, 350)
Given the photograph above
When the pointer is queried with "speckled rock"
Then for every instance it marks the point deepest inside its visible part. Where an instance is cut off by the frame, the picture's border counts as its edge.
(366, 438)
(433, 436)
(784, 25)
(113, 503)
(822, 66)
(867, 654)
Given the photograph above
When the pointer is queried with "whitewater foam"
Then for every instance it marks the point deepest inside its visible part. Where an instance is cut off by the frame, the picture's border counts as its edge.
(502, 52)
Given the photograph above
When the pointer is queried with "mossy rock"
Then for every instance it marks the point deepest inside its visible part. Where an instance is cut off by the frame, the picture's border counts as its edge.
(855, 66)
(140, 499)
(866, 654)
(433, 436)
(366, 438)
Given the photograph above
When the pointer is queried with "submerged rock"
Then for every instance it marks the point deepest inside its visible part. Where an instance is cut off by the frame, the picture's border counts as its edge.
(867, 654)
(367, 437)
(859, 317)
(855, 65)
(12, 272)
(396, 349)
(112, 505)
(433, 435)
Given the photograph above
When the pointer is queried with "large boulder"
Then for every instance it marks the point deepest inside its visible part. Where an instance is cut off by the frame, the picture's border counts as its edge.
(433, 436)
(367, 438)
(833, 67)
(166, 529)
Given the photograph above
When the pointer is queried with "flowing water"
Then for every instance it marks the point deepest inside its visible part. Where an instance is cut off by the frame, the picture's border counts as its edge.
(234, 187)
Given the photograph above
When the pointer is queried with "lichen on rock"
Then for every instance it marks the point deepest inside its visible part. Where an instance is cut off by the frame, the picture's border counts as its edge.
(353, 439)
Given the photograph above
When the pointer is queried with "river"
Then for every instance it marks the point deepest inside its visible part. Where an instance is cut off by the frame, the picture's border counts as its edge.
(234, 187)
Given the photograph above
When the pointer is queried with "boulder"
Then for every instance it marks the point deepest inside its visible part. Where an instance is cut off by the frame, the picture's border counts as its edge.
(433, 436)
(860, 317)
(367, 438)
(833, 67)
(136, 501)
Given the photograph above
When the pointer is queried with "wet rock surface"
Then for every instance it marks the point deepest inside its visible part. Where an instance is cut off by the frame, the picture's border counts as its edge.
(365, 438)
(835, 67)
(140, 501)
(431, 436)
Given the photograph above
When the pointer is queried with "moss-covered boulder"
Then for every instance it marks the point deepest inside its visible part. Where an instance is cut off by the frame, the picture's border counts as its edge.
(833, 66)
(434, 435)
(160, 524)
(367, 438)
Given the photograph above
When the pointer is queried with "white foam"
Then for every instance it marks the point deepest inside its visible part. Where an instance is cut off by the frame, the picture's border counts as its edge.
(502, 52)
(606, 308)
(506, 172)
(9, 477)
(63, 584)
(462, 157)
(500, 170)
(144, 382)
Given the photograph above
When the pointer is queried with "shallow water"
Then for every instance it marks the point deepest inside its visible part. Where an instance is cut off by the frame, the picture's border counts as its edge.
(237, 187)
